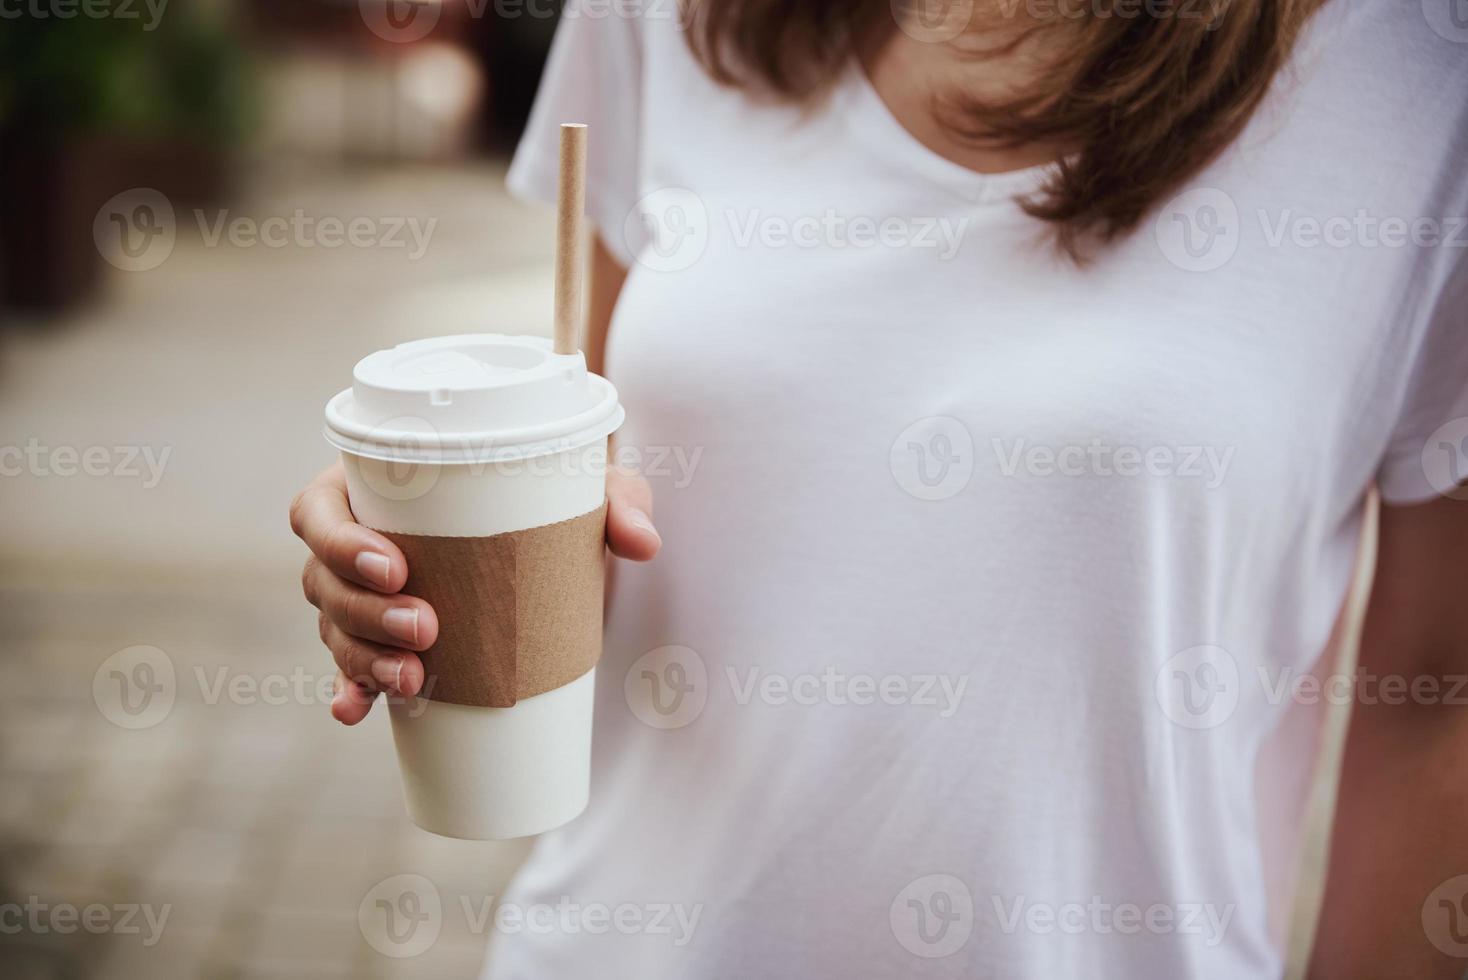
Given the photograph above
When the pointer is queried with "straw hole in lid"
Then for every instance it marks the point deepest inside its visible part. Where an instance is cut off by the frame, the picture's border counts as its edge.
(440, 396)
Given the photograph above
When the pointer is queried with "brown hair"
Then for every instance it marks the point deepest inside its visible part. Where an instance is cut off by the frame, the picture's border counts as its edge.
(1146, 92)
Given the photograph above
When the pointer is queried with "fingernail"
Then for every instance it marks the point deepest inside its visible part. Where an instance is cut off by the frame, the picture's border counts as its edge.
(374, 567)
(387, 671)
(402, 622)
(642, 522)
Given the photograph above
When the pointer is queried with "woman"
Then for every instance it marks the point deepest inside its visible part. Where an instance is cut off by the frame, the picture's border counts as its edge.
(1017, 377)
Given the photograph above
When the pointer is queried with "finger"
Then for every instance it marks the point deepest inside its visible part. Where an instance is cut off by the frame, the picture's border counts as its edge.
(398, 620)
(350, 703)
(630, 531)
(321, 517)
(371, 665)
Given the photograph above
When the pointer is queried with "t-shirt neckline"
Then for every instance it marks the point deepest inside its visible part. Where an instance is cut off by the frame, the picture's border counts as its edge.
(886, 133)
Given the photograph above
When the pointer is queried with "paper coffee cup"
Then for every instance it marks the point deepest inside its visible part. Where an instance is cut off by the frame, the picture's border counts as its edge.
(487, 452)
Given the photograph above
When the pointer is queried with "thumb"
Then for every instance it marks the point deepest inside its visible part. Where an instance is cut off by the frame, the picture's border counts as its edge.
(630, 532)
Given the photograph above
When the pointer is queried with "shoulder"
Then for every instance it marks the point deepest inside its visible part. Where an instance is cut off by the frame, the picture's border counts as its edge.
(1390, 75)
(1368, 122)
(1415, 36)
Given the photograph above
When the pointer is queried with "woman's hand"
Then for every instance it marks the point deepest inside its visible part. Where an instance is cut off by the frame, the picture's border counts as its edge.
(354, 574)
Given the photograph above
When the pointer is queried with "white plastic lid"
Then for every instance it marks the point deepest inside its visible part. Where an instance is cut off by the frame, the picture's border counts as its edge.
(471, 398)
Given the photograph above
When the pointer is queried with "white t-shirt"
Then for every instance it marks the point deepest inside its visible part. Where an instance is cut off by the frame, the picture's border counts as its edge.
(982, 572)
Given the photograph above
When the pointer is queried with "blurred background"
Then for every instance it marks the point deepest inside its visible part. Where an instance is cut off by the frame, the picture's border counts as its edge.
(208, 213)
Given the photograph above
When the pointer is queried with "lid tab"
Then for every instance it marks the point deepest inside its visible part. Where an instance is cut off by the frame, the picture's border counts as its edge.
(471, 398)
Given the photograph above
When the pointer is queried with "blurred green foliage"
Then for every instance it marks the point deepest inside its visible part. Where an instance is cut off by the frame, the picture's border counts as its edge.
(188, 76)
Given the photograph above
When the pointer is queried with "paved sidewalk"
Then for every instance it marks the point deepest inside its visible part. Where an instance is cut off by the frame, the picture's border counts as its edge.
(255, 823)
(243, 814)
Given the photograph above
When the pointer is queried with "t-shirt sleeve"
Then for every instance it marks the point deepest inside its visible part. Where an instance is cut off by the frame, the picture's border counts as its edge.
(1428, 453)
(593, 76)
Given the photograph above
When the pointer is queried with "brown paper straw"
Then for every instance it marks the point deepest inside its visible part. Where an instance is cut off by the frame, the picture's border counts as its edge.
(570, 202)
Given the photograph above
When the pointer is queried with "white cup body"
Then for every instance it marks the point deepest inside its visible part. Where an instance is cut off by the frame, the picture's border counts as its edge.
(475, 772)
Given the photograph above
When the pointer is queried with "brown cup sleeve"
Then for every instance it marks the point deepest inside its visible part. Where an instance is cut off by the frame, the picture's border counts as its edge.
(519, 613)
